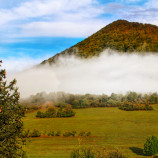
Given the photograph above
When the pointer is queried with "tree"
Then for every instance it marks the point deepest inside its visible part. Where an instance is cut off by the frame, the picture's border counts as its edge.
(11, 124)
(151, 146)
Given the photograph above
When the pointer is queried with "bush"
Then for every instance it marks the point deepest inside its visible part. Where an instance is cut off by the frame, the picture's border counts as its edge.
(115, 154)
(151, 146)
(65, 111)
(25, 134)
(68, 134)
(128, 106)
(35, 133)
(82, 134)
(58, 133)
(40, 114)
(82, 153)
(89, 153)
(73, 133)
(51, 112)
(52, 133)
(103, 153)
(88, 134)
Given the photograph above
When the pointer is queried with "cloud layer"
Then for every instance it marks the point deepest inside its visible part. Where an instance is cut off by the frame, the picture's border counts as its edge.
(70, 18)
(104, 74)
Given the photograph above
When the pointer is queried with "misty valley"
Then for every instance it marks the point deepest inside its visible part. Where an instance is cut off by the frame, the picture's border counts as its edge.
(96, 99)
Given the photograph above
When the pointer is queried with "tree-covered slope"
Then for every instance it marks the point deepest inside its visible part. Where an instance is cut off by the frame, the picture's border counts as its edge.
(120, 35)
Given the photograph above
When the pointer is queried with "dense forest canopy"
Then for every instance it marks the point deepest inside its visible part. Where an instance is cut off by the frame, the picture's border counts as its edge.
(121, 35)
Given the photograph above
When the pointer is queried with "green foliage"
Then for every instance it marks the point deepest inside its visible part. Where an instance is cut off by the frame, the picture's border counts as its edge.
(115, 154)
(51, 112)
(128, 106)
(68, 134)
(65, 111)
(35, 133)
(151, 146)
(153, 98)
(25, 134)
(88, 134)
(134, 100)
(58, 133)
(52, 133)
(82, 134)
(82, 153)
(11, 124)
(103, 123)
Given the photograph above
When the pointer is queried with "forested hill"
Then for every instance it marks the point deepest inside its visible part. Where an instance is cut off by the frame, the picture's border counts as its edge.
(120, 35)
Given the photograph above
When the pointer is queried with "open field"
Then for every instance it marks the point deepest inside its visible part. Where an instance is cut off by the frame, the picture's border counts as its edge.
(110, 128)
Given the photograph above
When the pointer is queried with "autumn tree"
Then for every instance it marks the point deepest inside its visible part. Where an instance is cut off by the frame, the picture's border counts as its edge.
(11, 124)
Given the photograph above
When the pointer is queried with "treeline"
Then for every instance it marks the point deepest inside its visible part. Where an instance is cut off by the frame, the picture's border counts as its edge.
(129, 101)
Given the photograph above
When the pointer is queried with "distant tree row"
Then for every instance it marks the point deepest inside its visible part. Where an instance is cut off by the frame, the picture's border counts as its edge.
(132, 100)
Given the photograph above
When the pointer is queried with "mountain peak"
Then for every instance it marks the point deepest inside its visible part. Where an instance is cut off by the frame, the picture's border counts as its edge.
(120, 35)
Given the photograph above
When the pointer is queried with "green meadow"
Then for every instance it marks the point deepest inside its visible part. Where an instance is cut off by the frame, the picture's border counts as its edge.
(110, 127)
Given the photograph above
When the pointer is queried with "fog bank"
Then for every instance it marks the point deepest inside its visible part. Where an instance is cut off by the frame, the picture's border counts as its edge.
(104, 74)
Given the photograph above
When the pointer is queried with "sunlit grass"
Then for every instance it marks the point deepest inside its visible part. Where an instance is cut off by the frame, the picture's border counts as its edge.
(110, 128)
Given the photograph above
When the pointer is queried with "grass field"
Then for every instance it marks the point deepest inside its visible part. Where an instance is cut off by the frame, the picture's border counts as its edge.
(110, 128)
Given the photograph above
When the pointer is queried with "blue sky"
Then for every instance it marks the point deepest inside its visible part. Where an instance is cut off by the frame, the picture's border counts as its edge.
(38, 29)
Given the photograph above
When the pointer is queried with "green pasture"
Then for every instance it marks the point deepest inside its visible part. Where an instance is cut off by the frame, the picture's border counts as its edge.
(110, 127)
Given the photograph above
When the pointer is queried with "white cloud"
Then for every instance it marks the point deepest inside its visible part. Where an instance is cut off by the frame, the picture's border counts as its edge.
(67, 29)
(13, 65)
(71, 18)
(40, 16)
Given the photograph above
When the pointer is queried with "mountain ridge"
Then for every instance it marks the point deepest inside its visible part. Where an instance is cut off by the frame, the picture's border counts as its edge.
(120, 35)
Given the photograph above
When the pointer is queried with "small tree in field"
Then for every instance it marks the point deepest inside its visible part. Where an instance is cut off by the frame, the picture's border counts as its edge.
(151, 146)
(10, 119)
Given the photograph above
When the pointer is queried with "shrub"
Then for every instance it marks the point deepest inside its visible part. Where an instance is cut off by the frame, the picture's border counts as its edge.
(58, 133)
(128, 106)
(68, 134)
(82, 153)
(103, 153)
(25, 134)
(89, 153)
(52, 133)
(35, 133)
(65, 111)
(151, 146)
(73, 133)
(51, 112)
(88, 134)
(81, 134)
(115, 154)
(40, 114)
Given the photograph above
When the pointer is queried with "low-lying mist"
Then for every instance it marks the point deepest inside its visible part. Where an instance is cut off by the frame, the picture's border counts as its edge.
(109, 73)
